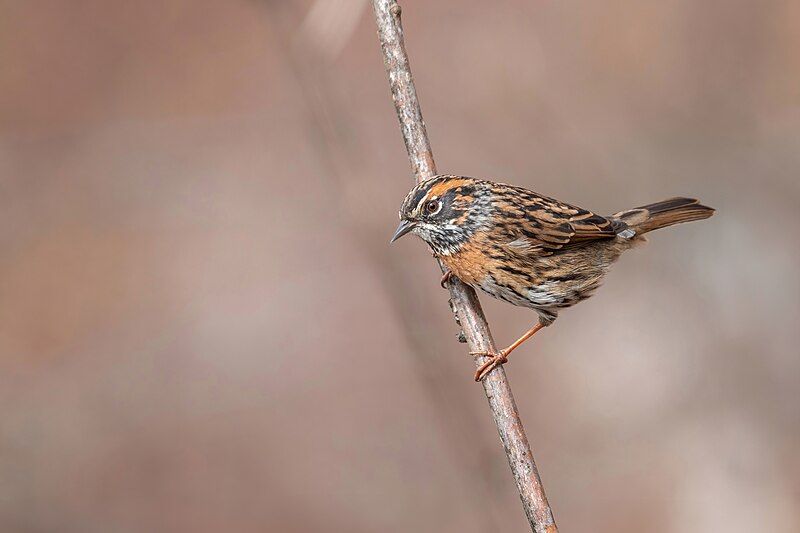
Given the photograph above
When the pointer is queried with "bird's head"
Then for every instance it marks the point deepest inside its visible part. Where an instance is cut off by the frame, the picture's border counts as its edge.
(445, 211)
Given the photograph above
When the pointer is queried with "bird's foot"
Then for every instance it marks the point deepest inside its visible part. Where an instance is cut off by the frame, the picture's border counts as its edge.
(496, 360)
(445, 279)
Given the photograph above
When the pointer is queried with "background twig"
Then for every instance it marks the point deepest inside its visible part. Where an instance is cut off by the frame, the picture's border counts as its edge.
(464, 300)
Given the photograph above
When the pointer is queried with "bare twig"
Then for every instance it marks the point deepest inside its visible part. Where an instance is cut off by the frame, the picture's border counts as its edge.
(464, 300)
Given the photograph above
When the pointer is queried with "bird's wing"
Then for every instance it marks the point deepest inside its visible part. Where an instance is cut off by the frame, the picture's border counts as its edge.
(544, 225)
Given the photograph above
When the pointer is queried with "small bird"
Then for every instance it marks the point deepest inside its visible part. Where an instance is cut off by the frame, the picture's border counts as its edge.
(524, 248)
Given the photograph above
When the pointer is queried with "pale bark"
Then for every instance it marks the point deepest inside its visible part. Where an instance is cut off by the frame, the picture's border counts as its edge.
(463, 299)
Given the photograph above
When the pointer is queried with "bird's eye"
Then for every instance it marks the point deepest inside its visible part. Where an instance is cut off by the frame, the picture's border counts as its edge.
(432, 207)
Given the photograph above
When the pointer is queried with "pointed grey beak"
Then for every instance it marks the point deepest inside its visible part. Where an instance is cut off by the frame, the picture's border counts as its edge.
(404, 227)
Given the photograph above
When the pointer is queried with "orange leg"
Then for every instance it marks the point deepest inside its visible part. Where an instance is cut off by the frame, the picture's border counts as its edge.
(500, 358)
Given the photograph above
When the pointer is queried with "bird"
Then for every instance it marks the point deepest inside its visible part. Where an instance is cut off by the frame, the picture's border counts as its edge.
(524, 248)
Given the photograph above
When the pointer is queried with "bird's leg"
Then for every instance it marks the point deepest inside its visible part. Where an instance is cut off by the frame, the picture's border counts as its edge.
(501, 357)
(445, 279)
(447, 273)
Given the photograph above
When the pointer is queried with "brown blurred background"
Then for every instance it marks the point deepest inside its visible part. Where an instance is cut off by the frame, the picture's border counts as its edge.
(203, 328)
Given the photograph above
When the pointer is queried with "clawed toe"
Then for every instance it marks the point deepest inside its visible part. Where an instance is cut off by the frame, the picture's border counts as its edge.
(445, 279)
(501, 357)
(496, 360)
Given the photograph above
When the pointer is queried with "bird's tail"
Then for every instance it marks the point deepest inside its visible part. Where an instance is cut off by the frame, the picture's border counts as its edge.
(663, 214)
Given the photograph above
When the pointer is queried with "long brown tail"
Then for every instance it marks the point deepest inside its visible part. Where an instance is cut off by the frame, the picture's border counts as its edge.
(663, 214)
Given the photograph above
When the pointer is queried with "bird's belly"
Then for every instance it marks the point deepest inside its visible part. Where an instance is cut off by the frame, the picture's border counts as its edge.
(523, 287)
(524, 295)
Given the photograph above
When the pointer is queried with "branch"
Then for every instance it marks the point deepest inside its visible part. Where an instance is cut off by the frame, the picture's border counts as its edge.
(464, 301)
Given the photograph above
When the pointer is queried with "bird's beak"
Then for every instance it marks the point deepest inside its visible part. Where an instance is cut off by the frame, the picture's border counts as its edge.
(404, 227)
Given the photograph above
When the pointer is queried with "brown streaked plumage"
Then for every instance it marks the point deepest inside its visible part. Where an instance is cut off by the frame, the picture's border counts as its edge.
(524, 248)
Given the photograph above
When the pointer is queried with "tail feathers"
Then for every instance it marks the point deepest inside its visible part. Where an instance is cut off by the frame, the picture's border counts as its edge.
(663, 214)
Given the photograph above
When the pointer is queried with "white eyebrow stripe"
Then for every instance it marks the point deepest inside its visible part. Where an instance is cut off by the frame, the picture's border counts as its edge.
(423, 200)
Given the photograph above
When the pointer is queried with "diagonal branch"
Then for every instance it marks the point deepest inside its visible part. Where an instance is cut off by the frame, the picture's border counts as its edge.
(464, 301)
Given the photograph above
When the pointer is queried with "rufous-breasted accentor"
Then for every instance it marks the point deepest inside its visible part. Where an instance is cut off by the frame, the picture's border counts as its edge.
(524, 248)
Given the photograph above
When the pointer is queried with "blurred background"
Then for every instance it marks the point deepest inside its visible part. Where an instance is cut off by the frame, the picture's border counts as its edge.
(203, 327)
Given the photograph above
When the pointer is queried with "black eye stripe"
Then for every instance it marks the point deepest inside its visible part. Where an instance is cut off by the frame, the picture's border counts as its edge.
(416, 203)
(418, 197)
